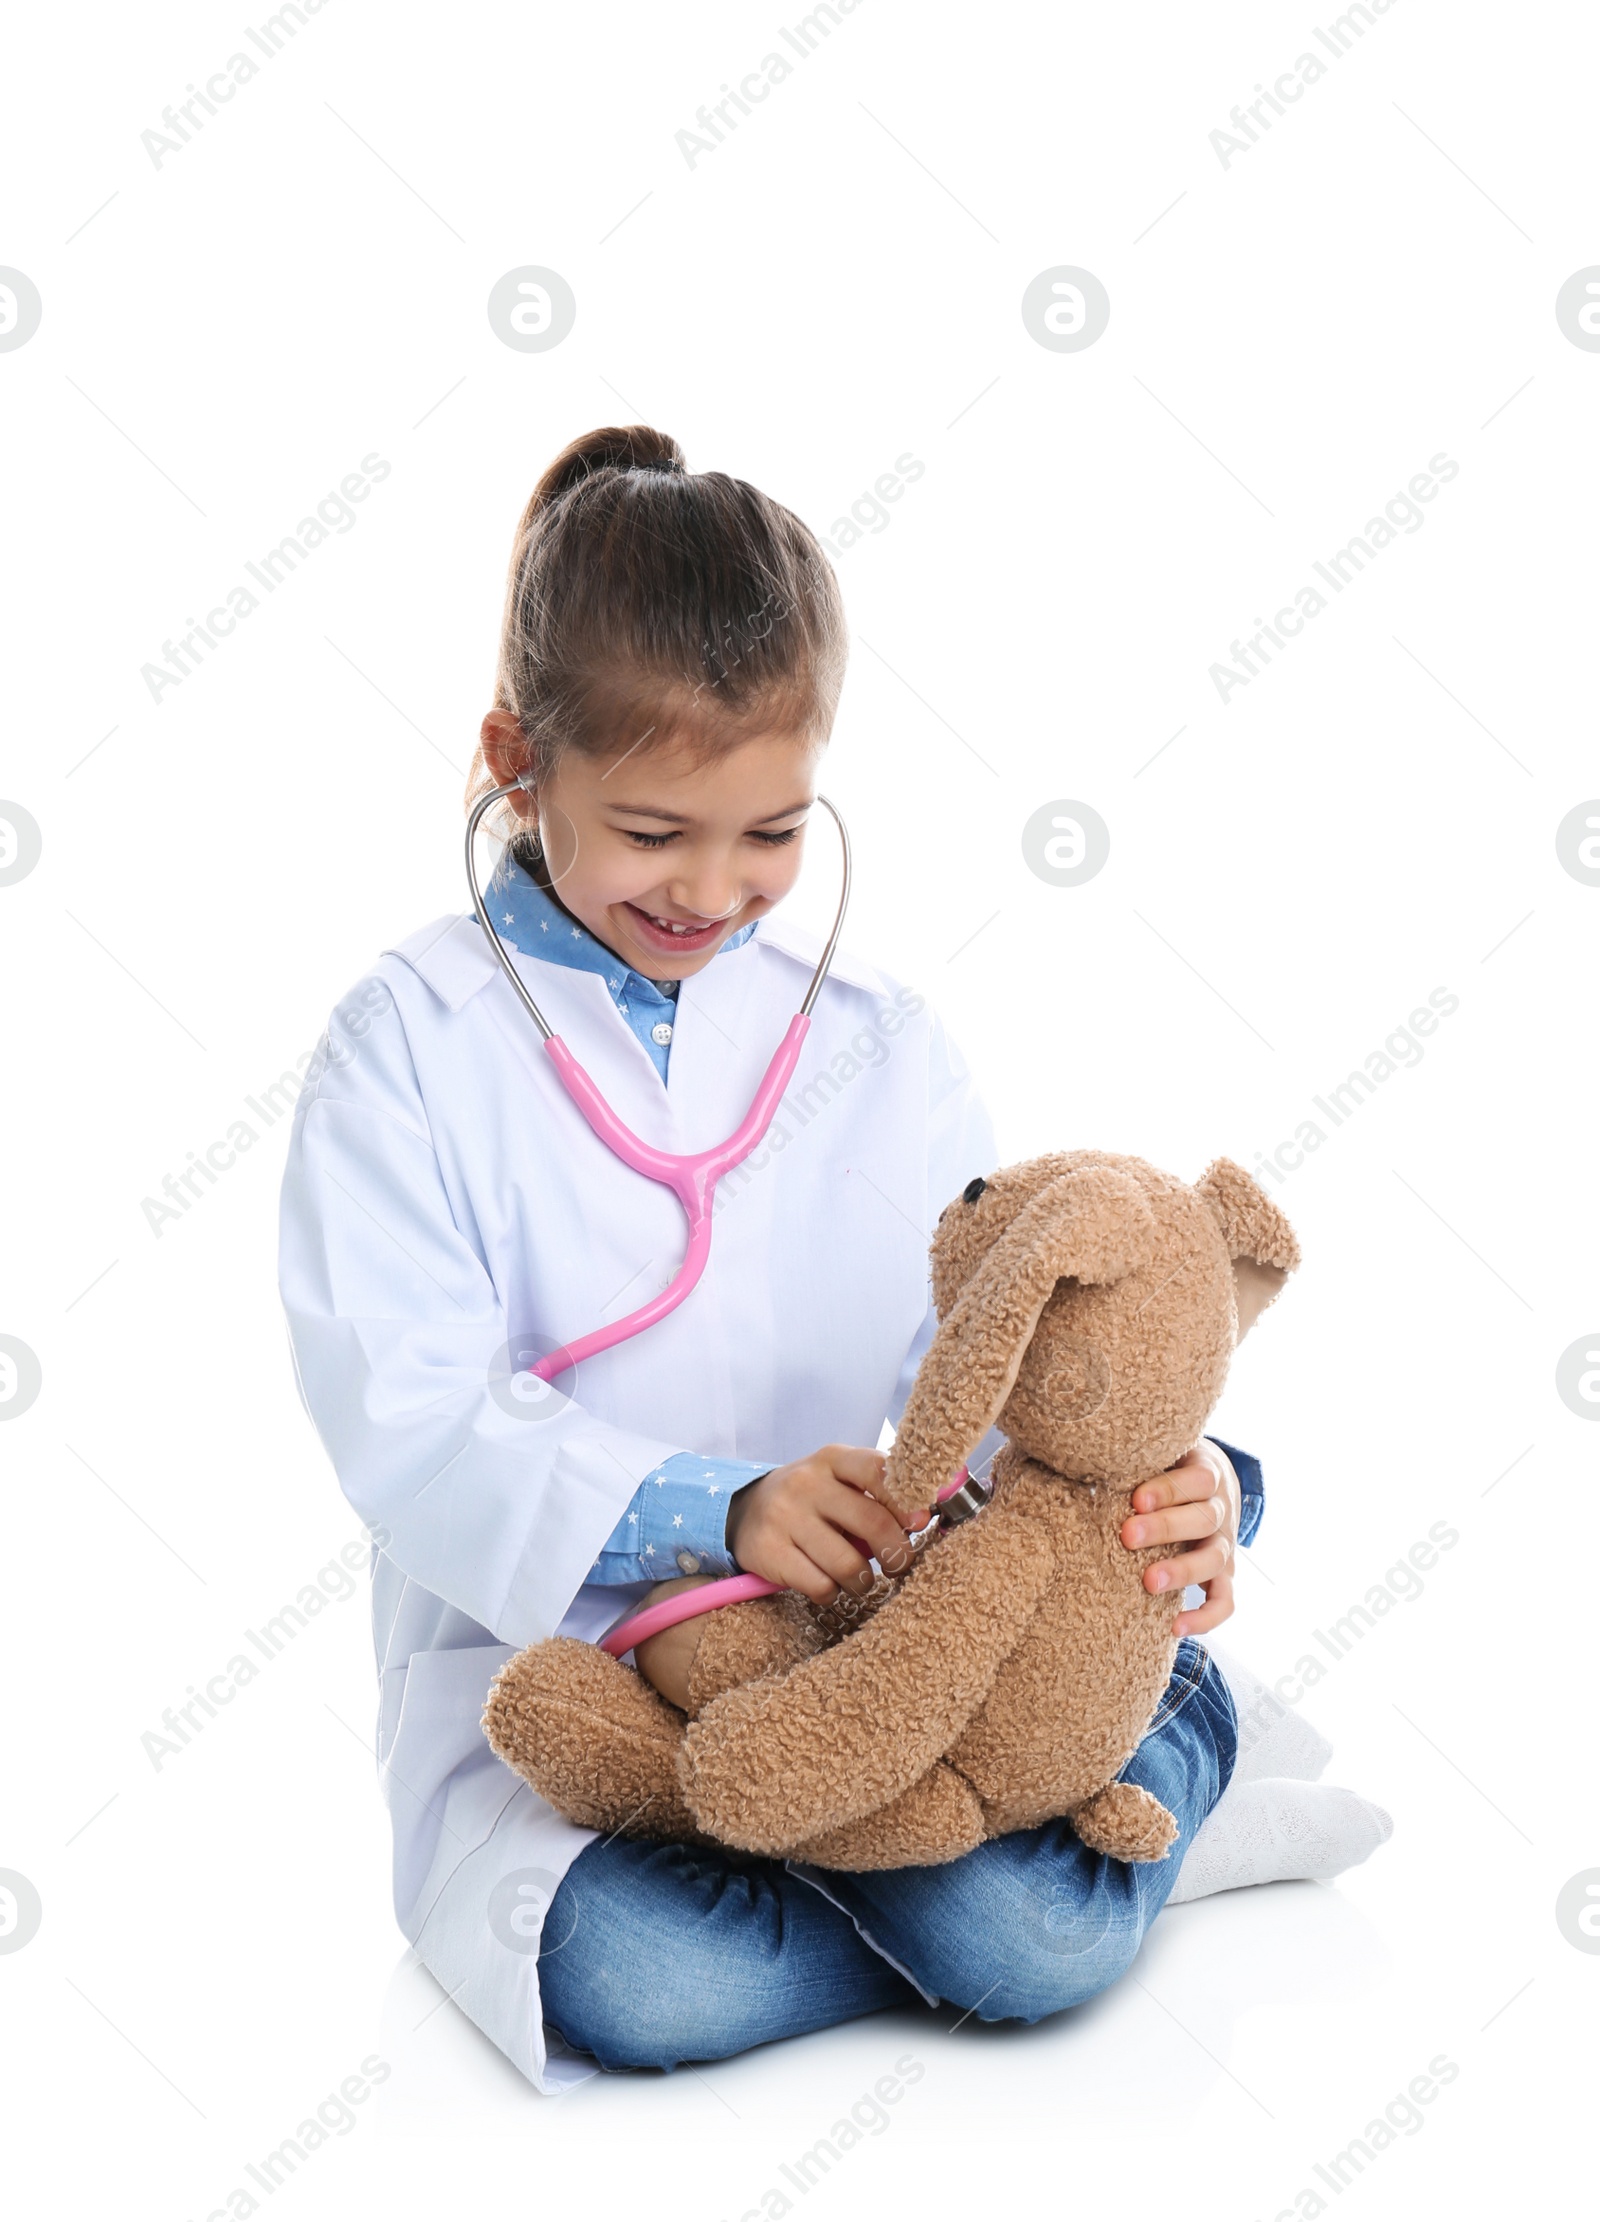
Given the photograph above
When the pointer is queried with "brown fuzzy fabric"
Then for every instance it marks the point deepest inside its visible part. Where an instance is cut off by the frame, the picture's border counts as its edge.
(937, 1819)
(744, 1642)
(1125, 1822)
(1087, 1307)
(600, 1732)
(844, 1732)
(1252, 1225)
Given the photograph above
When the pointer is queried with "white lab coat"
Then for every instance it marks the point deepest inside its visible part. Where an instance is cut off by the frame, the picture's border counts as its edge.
(443, 1196)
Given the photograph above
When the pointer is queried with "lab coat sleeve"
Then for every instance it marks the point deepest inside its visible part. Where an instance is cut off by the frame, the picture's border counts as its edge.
(395, 1327)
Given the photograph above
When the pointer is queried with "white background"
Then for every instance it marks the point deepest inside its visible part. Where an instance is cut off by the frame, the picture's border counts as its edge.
(1292, 337)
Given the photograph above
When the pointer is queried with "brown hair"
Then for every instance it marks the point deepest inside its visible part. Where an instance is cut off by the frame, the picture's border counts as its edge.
(646, 602)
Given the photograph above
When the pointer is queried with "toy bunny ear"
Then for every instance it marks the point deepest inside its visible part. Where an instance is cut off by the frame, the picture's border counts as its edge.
(1260, 1240)
(1091, 1225)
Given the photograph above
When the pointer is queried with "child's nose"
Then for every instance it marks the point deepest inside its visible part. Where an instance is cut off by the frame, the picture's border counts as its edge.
(710, 894)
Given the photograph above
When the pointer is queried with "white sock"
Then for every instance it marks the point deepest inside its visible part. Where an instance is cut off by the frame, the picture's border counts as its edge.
(1273, 1738)
(1274, 1830)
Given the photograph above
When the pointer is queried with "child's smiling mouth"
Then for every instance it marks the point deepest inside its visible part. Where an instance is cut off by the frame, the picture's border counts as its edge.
(660, 932)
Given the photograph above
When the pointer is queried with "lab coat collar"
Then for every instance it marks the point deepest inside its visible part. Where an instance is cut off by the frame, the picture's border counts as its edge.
(730, 1018)
(452, 958)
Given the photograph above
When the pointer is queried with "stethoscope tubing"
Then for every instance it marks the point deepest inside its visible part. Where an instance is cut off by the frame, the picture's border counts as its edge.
(487, 802)
(958, 1500)
(693, 1176)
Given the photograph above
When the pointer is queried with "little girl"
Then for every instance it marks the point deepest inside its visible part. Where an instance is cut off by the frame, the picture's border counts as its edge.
(671, 656)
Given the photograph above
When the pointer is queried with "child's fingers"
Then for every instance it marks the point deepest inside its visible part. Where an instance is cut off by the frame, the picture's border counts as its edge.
(838, 1559)
(1217, 1608)
(863, 1469)
(1196, 1477)
(1203, 1472)
(789, 1564)
(857, 1515)
(1200, 1564)
(1185, 1523)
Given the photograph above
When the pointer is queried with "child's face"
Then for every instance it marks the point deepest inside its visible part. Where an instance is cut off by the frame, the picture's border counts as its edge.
(662, 854)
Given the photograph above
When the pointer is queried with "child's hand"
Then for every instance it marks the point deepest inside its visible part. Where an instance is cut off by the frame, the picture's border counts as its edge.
(800, 1524)
(1195, 1503)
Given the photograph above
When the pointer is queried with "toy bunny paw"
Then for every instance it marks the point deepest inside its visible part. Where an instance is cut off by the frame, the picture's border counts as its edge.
(592, 1738)
(938, 1819)
(1125, 1822)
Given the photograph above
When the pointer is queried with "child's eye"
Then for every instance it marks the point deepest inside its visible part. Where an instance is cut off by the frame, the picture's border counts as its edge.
(660, 840)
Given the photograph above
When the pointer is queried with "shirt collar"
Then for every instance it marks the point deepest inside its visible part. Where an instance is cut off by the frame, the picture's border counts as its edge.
(533, 921)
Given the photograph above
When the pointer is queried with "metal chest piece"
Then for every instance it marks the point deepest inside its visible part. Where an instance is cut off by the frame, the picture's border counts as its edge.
(959, 1506)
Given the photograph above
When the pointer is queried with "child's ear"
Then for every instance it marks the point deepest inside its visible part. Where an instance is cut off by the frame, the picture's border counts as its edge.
(1260, 1240)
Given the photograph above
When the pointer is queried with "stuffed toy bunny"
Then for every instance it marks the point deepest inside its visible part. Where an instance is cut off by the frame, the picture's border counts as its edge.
(1088, 1306)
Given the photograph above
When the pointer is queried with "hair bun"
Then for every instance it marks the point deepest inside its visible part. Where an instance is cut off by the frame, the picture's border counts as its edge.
(638, 614)
(611, 447)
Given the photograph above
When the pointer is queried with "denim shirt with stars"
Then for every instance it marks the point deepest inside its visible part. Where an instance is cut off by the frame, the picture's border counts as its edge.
(533, 921)
(676, 1519)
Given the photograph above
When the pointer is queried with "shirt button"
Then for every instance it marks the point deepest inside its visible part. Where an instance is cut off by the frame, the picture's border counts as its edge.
(688, 1563)
(661, 1032)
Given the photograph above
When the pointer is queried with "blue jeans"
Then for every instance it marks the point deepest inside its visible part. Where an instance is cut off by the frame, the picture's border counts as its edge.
(661, 1953)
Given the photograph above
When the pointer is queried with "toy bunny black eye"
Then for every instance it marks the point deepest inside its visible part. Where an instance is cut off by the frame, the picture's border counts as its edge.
(973, 1190)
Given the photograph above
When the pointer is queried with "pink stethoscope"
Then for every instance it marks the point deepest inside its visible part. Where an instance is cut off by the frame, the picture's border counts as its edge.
(692, 1178)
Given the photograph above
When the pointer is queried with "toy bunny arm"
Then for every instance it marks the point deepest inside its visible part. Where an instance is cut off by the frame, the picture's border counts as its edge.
(773, 1763)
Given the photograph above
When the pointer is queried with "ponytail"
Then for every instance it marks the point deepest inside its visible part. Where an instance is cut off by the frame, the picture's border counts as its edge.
(647, 602)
